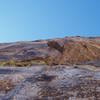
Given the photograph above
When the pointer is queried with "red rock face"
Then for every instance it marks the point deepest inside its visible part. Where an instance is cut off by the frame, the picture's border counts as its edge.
(78, 50)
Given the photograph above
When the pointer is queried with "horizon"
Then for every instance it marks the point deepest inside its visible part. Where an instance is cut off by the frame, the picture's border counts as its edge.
(29, 20)
(50, 38)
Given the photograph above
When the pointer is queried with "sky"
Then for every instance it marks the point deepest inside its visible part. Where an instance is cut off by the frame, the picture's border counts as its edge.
(26, 20)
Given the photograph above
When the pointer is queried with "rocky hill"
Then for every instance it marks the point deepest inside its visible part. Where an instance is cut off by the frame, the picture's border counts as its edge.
(63, 51)
(61, 69)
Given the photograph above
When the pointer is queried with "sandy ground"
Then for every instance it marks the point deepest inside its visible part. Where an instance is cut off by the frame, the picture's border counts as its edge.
(51, 83)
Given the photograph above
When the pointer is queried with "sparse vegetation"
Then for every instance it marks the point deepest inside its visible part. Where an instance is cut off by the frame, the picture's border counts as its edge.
(22, 63)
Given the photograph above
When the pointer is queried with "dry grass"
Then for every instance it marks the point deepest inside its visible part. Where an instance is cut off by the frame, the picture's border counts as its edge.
(22, 63)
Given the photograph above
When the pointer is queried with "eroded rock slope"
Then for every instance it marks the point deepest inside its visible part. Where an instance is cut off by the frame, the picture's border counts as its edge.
(65, 51)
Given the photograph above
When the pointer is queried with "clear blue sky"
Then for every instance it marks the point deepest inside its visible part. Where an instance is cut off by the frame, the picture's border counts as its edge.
(40, 19)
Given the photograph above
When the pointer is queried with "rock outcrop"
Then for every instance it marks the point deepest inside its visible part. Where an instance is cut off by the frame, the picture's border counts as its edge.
(59, 82)
(76, 50)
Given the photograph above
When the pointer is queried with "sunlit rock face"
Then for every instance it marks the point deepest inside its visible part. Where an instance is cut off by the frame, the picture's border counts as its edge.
(77, 50)
(65, 51)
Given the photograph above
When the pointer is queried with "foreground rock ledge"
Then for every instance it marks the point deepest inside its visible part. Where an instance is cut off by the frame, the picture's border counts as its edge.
(56, 83)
